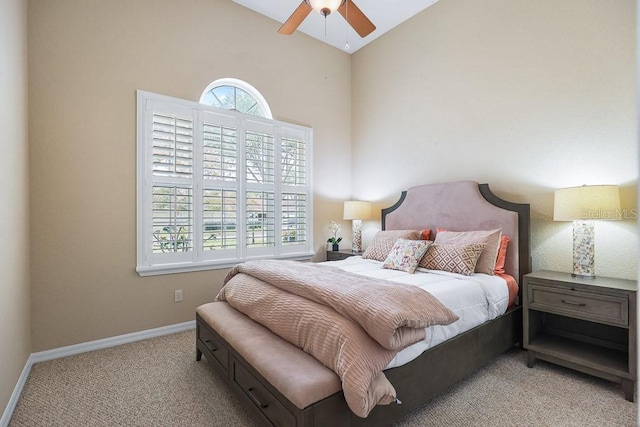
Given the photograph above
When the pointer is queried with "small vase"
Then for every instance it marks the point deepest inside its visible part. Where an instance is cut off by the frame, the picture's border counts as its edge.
(335, 247)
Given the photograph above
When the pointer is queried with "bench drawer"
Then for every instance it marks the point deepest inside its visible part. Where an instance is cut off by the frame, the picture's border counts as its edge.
(595, 307)
(214, 347)
(263, 400)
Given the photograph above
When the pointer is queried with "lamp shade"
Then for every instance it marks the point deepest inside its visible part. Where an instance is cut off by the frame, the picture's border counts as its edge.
(324, 7)
(588, 202)
(356, 209)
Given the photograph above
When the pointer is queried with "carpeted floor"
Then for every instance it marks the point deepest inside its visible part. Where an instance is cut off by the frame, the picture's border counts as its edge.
(157, 382)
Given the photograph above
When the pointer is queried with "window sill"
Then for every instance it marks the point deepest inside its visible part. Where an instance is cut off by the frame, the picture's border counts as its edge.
(186, 267)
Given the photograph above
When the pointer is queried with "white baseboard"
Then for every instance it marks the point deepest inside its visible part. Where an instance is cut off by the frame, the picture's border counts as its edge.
(13, 400)
(70, 350)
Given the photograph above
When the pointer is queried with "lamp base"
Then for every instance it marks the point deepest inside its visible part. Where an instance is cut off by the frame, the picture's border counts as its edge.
(356, 238)
(583, 250)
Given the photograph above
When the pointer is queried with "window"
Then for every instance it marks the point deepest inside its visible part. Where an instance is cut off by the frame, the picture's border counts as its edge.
(216, 187)
(233, 94)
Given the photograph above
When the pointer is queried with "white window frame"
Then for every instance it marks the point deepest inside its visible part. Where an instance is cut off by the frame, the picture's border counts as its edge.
(150, 263)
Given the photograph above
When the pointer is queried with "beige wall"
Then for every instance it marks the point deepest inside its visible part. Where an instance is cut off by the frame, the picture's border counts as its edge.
(86, 60)
(15, 315)
(528, 96)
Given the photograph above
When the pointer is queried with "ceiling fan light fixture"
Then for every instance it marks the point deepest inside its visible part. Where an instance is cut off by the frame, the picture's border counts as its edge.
(325, 7)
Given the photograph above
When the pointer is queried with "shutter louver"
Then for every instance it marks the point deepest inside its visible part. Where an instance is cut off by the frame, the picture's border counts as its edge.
(220, 219)
(172, 146)
(294, 218)
(294, 162)
(260, 210)
(219, 152)
(260, 157)
(172, 214)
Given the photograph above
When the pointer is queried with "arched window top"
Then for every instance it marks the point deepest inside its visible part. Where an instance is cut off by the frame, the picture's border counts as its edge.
(234, 94)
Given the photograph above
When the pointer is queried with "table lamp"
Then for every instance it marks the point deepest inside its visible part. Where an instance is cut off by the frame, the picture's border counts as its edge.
(583, 205)
(356, 211)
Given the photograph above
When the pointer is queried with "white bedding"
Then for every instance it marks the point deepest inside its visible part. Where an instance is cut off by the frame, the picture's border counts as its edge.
(474, 299)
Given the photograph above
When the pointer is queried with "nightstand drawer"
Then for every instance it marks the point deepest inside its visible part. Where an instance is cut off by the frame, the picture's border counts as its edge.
(594, 307)
(339, 255)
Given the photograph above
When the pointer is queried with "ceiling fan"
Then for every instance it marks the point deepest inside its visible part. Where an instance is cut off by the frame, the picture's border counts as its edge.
(354, 16)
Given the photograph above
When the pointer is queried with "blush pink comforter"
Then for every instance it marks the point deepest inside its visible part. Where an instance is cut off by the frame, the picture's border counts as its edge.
(352, 324)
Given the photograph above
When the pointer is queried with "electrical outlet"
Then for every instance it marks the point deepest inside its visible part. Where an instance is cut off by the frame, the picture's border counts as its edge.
(177, 295)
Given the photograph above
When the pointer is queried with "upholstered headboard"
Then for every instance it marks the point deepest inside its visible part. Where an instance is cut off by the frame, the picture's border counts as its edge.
(464, 206)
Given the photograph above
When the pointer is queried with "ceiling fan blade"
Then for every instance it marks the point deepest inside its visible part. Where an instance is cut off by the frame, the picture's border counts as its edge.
(296, 18)
(356, 18)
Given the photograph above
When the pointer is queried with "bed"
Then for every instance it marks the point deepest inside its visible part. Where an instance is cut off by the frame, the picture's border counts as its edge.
(281, 385)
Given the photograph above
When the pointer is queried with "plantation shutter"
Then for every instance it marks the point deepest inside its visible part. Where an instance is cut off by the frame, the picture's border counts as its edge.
(220, 186)
(169, 183)
(260, 207)
(216, 187)
(296, 221)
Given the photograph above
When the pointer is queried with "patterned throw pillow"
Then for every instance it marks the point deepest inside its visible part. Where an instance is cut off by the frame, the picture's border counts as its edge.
(459, 259)
(405, 255)
(487, 262)
(384, 240)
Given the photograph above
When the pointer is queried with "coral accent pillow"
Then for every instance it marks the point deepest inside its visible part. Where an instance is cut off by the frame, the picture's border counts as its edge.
(406, 254)
(502, 255)
(491, 238)
(384, 240)
(454, 258)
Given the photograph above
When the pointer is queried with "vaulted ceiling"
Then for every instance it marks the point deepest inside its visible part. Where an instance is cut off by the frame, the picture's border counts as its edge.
(385, 14)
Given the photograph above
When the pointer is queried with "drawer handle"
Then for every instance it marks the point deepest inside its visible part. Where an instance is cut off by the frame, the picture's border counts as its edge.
(256, 399)
(211, 346)
(579, 304)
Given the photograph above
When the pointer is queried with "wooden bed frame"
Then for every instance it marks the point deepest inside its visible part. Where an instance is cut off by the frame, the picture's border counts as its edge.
(453, 206)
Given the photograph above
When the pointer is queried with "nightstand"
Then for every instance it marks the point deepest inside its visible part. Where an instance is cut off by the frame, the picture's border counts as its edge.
(338, 255)
(584, 324)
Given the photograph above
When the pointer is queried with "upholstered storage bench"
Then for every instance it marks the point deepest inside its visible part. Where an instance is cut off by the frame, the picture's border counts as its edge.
(282, 385)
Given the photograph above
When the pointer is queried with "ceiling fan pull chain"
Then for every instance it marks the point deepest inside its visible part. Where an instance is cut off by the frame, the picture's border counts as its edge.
(346, 31)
